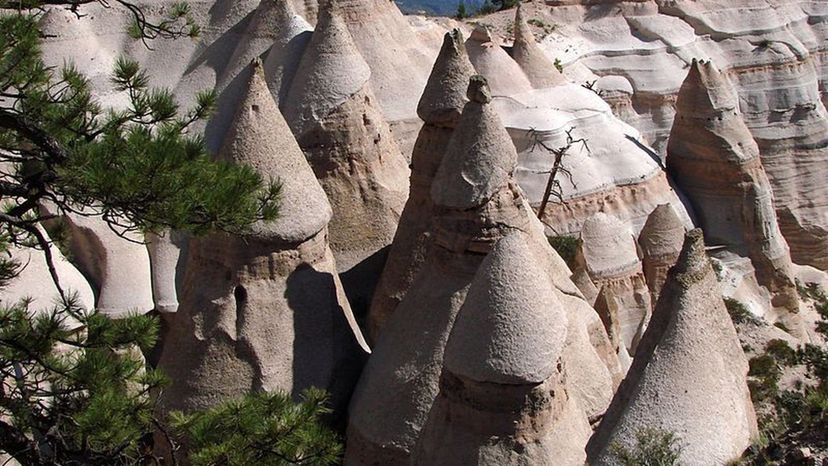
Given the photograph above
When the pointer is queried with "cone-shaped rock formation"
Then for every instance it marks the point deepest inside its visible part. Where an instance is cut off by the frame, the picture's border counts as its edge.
(714, 159)
(265, 311)
(472, 212)
(609, 256)
(502, 391)
(526, 52)
(345, 138)
(689, 375)
(490, 60)
(660, 241)
(440, 107)
(292, 34)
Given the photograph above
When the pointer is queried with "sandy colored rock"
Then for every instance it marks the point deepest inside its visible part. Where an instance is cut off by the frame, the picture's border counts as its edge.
(540, 71)
(490, 60)
(117, 268)
(502, 392)
(715, 161)
(608, 255)
(608, 308)
(292, 34)
(440, 107)
(265, 311)
(689, 375)
(401, 380)
(660, 241)
(164, 254)
(332, 111)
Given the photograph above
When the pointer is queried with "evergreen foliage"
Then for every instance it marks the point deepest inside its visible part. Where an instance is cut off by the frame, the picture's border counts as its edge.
(654, 447)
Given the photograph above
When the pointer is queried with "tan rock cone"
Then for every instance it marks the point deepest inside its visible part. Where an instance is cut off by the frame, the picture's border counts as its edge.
(490, 60)
(472, 211)
(282, 60)
(440, 107)
(502, 391)
(333, 114)
(660, 241)
(689, 375)
(608, 255)
(525, 51)
(714, 159)
(265, 311)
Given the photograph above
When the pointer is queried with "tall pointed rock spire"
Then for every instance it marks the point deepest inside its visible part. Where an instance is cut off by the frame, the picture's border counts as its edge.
(440, 107)
(689, 375)
(503, 370)
(714, 159)
(264, 311)
(390, 406)
(539, 69)
(350, 148)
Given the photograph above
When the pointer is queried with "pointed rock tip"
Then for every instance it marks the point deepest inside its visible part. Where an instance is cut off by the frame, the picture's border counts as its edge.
(260, 137)
(444, 96)
(481, 33)
(479, 90)
(693, 259)
(511, 329)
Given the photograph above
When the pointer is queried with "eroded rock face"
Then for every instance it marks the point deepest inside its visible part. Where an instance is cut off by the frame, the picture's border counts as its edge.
(502, 391)
(689, 357)
(773, 54)
(333, 113)
(472, 211)
(164, 253)
(440, 107)
(715, 161)
(265, 311)
(118, 269)
(608, 256)
(660, 241)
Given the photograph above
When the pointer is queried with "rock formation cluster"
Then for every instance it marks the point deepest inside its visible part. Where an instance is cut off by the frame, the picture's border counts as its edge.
(486, 347)
(266, 311)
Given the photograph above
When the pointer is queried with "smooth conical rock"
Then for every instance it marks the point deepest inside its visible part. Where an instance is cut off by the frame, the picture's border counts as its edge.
(292, 34)
(689, 375)
(490, 60)
(401, 380)
(502, 391)
(714, 159)
(608, 255)
(332, 111)
(660, 241)
(264, 311)
(440, 107)
(540, 71)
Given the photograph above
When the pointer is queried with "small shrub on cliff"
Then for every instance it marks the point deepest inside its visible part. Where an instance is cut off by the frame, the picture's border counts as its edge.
(654, 447)
(739, 313)
(567, 247)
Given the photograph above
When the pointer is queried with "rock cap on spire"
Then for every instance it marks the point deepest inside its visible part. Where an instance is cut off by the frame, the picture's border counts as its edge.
(663, 232)
(480, 158)
(511, 328)
(260, 137)
(445, 93)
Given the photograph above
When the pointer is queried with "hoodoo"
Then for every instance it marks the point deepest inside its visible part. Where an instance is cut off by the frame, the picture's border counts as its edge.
(440, 108)
(333, 113)
(490, 60)
(503, 397)
(660, 241)
(264, 311)
(476, 202)
(689, 374)
(714, 159)
(526, 52)
(609, 256)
